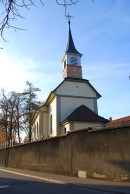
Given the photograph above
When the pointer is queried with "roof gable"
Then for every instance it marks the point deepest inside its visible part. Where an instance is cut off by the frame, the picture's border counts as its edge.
(63, 87)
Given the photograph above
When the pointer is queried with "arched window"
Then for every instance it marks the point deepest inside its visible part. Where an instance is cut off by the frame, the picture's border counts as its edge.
(65, 131)
(50, 124)
(37, 129)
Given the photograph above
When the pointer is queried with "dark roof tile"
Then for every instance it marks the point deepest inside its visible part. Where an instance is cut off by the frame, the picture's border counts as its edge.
(84, 114)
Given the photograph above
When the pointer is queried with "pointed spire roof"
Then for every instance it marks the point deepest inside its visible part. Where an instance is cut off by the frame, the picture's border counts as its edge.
(70, 45)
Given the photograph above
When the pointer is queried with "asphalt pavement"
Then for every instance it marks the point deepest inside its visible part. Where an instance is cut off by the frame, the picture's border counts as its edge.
(97, 185)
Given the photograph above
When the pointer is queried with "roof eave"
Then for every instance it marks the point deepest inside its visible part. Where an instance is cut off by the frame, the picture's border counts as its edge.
(50, 98)
(72, 121)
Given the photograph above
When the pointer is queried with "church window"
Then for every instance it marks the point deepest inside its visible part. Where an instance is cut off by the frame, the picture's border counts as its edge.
(64, 63)
(34, 129)
(73, 61)
(51, 124)
(37, 130)
(65, 131)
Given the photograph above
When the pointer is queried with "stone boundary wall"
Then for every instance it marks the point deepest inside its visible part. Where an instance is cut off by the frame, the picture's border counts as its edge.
(101, 154)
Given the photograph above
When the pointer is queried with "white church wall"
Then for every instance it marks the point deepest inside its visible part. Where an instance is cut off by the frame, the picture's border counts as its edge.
(44, 126)
(46, 131)
(66, 127)
(53, 118)
(76, 89)
(35, 129)
(33, 132)
(69, 104)
(70, 126)
(84, 125)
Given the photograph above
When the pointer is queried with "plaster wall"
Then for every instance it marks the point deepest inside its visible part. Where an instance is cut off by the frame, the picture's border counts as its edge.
(35, 129)
(44, 126)
(72, 88)
(82, 125)
(104, 153)
(69, 104)
(53, 112)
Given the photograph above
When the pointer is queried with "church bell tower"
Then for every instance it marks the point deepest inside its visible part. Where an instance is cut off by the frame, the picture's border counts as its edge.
(72, 59)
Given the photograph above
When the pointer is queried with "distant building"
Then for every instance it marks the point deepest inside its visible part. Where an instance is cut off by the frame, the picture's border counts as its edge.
(72, 104)
(120, 122)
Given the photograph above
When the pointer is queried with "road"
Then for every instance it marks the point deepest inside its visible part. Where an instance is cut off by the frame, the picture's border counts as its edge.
(15, 183)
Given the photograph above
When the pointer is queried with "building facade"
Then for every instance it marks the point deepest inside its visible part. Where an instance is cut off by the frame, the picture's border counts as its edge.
(73, 96)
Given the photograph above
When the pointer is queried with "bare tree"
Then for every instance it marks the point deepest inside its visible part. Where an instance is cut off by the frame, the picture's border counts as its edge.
(18, 115)
(4, 110)
(31, 104)
(8, 105)
(11, 11)
(16, 111)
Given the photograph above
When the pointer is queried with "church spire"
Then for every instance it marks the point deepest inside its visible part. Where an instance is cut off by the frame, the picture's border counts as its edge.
(72, 58)
(70, 45)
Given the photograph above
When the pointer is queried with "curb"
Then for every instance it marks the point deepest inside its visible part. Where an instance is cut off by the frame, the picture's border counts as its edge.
(36, 177)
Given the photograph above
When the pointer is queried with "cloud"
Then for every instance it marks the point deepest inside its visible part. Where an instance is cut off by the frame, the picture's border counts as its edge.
(14, 72)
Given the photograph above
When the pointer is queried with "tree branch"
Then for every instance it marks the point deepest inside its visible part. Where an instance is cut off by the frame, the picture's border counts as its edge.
(11, 11)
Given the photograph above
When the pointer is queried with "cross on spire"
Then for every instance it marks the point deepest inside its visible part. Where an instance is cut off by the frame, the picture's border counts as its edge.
(68, 18)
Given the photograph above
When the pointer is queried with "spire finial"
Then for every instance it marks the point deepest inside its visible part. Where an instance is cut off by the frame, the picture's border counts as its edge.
(68, 18)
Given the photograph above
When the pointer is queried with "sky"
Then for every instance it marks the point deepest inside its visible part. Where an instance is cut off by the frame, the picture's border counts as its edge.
(101, 32)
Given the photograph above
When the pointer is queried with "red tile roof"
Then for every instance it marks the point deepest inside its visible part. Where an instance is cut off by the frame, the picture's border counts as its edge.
(124, 121)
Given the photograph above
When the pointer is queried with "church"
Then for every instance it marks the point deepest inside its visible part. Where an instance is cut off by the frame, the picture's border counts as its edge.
(72, 105)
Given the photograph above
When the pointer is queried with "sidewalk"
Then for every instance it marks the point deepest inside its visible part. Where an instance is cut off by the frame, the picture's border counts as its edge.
(100, 185)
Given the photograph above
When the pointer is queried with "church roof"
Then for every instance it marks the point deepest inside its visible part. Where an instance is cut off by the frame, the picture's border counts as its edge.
(84, 114)
(70, 45)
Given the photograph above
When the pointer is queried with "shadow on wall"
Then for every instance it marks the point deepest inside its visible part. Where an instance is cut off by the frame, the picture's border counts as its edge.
(125, 165)
(7, 156)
